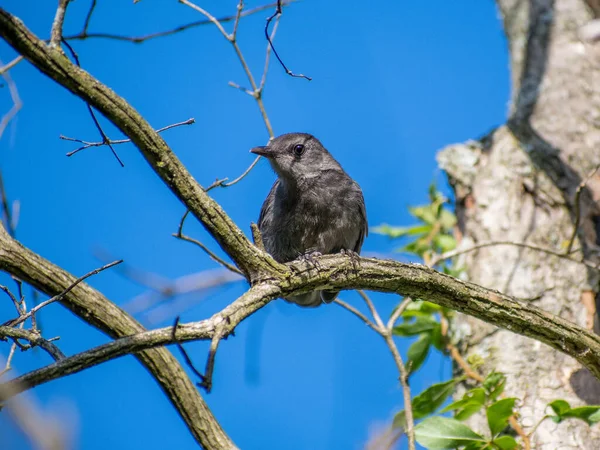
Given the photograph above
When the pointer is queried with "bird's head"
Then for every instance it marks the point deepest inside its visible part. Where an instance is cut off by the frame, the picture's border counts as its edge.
(296, 156)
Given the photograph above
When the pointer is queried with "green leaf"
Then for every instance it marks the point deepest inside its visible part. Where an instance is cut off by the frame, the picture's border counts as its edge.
(399, 421)
(418, 247)
(444, 242)
(494, 384)
(506, 443)
(420, 308)
(397, 232)
(498, 414)
(417, 352)
(559, 407)
(428, 401)
(588, 414)
(420, 325)
(426, 213)
(447, 220)
(437, 340)
(471, 402)
(443, 433)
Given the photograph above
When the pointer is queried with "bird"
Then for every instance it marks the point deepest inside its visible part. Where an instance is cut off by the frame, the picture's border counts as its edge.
(314, 208)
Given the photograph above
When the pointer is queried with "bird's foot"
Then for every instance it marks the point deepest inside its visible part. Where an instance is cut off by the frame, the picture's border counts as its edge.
(309, 257)
(354, 258)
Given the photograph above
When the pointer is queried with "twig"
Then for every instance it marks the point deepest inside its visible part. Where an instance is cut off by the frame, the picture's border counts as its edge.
(6, 210)
(41, 430)
(146, 37)
(10, 65)
(397, 313)
(209, 252)
(577, 204)
(185, 354)
(257, 236)
(34, 339)
(451, 254)
(371, 307)
(386, 332)
(278, 13)
(194, 283)
(469, 372)
(190, 121)
(14, 95)
(88, 18)
(22, 318)
(57, 25)
(103, 135)
(357, 313)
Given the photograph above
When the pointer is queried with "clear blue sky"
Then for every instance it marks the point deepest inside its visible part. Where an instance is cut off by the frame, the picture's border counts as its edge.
(391, 85)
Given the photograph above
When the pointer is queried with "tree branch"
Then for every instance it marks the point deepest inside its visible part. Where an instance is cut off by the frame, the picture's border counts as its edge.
(252, 261)
(338, 272)
(101, 313)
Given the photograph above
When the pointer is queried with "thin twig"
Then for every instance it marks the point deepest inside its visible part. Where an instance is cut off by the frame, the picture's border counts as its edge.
(208, 15)
(87, 144)
(10, 65)
(263, 79)
(451, 254)
(6, 210)
(277, 13)
(57, 25)
(357, 313)
(371, 307)
(91, 111)
(12, 297)
(388, 337)
(14, 95)
(206, 378)
(397, 313)
(257, 236)
(34, 339)
(236, 22)
(209, 252)
(184, 353)
(577, 205)
(88, 18)
(22, 318)
(146, 37)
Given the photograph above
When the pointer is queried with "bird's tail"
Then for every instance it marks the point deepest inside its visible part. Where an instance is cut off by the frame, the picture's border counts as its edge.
(309, 300)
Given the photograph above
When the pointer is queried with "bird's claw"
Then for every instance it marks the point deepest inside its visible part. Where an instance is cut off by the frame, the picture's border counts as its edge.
(309, 258)
(354, 258)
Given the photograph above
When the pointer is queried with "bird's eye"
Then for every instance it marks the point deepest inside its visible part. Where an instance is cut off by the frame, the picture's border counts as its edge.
(298, 149)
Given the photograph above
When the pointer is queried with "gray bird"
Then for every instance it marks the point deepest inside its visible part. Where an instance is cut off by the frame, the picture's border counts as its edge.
(313, 208)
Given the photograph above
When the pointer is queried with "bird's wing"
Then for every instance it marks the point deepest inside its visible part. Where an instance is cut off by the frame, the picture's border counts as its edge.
(364, 227)
(267, 207)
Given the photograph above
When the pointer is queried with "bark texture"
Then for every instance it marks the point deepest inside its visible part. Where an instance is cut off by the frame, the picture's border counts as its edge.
(519, 183)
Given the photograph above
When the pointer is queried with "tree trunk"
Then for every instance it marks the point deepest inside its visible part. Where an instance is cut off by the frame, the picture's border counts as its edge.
(519, 184)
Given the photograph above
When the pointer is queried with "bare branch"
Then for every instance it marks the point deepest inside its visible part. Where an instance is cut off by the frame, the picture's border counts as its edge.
(101, 313)
(14, 94)
(209, 252)
(118, 141)
(24, 317)
(105, 138)
(577, 203)
(146, 37)
(34, 339)
(357, 313)
(57, 25)
(451, 254)
(277, 14)
(10, 65)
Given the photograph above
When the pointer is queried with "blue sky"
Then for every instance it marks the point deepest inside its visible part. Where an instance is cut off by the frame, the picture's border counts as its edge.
(391, 85)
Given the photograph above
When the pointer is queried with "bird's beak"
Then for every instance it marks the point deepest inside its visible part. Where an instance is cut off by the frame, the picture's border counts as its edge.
(262, 151)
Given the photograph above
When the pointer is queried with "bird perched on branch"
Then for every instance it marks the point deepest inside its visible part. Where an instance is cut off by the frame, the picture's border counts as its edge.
(314, 207)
